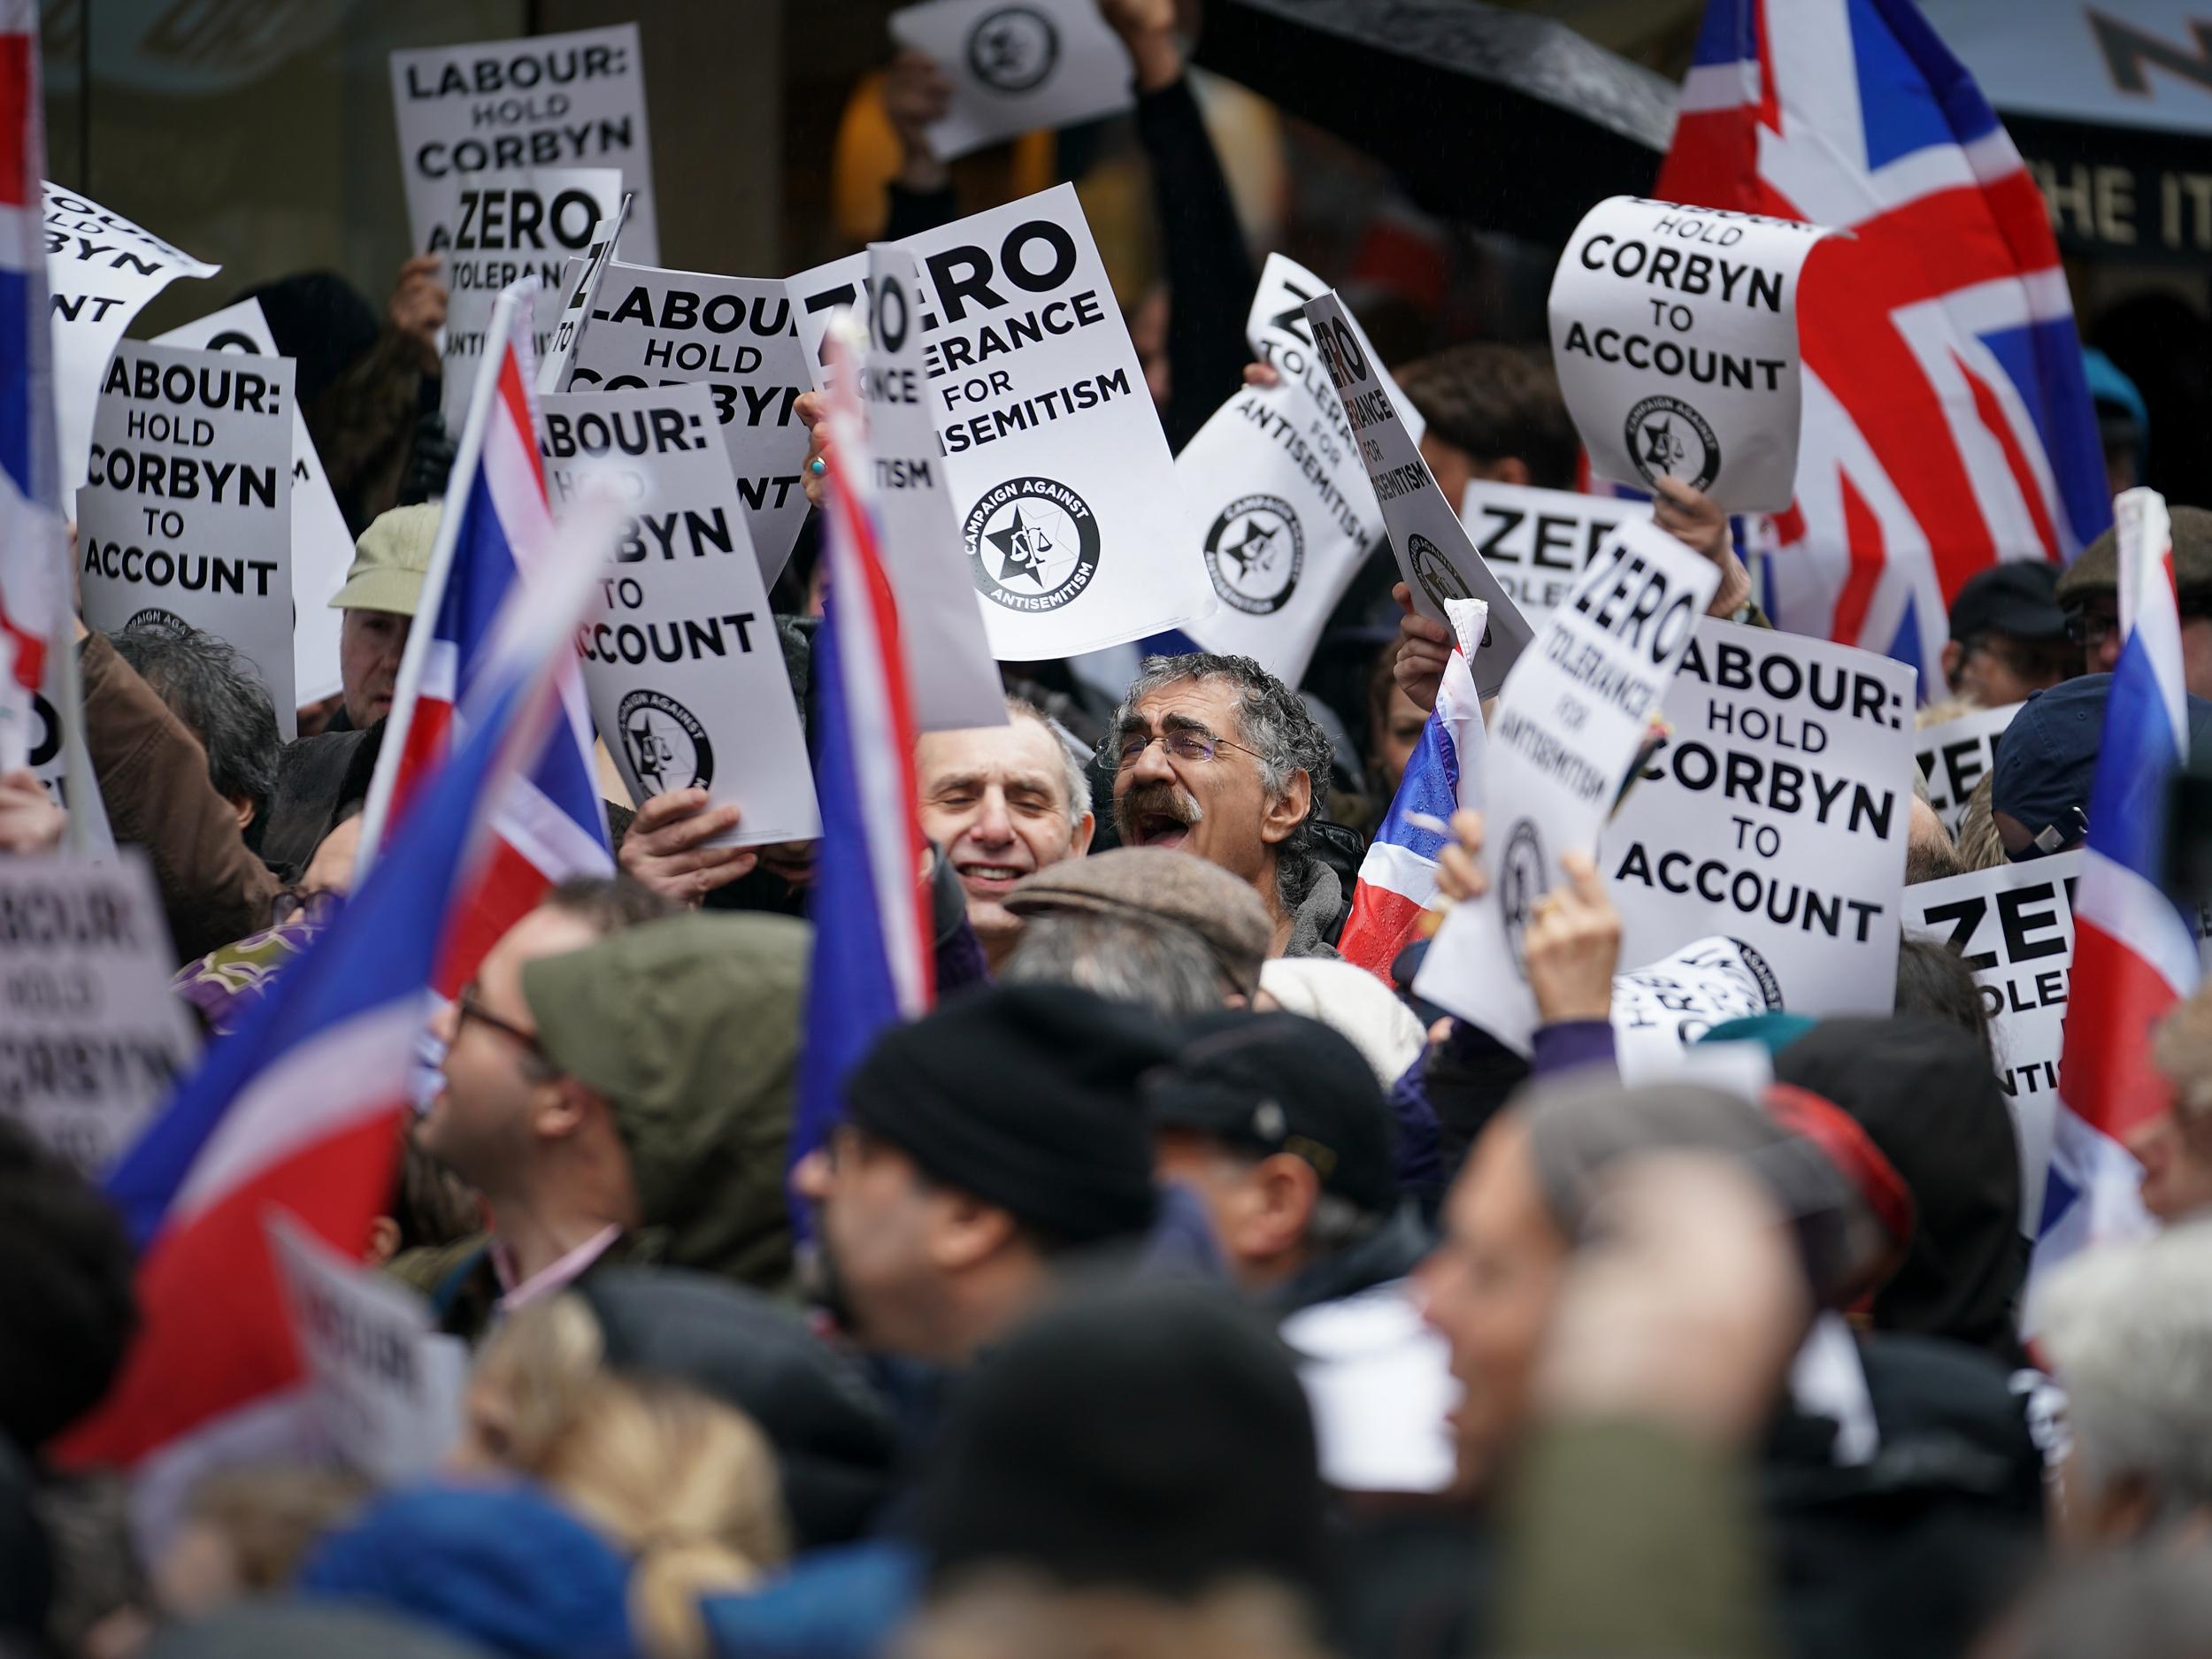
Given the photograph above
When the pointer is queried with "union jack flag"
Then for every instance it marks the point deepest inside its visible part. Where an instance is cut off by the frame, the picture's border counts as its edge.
(551, 823)
(1947, 424)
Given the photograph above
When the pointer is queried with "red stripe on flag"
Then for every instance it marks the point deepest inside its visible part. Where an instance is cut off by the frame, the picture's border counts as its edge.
(1863, 538)
(2114, 1000)
(1992, 416)
(516, 396)
(1380, 926)
(507, 890)
(19, 79)
(213, 1334)
(427, 724)
(30, 654)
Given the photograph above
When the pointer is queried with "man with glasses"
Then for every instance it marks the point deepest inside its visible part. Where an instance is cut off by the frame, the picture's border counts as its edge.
(2007, 635)
(1215, 756)
(618, 1084)
(2088, 591)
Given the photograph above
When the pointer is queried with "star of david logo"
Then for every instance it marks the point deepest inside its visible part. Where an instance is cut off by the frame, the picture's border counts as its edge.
(1662, 448)
(1256, 547)
(1022, 546)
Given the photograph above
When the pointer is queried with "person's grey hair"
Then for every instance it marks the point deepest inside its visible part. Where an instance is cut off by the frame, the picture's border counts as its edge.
(207, 685)
(1076, 781)
(1154, 963)
(2128, 1332)
(2124, 1604)
(1272, 721)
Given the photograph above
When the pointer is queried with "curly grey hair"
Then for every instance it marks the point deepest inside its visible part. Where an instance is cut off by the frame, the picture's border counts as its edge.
(1272, 721)
(207, 685)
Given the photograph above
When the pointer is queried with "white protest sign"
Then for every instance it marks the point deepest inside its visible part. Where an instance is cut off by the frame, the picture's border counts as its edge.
(955, 682)
(187, 511)
(2014, 926)
(1434, 555)
(384, 1390)
(322, 547)
(817, 296)
(1022, 67)
(1778, 813)
(1537, 542)
(91, 1041)
(683, 667)
(1954, 756)
(1066, 494)
(734, 335)
(1659, 1012)
(1675, 333)
(557, 362)
(575, 100)
(101, 270)
(1277, 329)
(494, 229)
(1568, 727)
(1279, 507)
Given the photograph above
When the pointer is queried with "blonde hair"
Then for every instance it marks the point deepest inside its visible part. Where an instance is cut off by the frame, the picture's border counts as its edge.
(271, 1516)
(1951, 708)
(1979, 845)
(2181, 1047)
(686, 1484)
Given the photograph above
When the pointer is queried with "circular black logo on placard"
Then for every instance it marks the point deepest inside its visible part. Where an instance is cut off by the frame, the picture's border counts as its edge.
(1436, 573)
(667, 747)
(1756, 966)
(1013, 48)
(1033, 544)
(1666, 437)
(1255, 552)
(154, 619)
(1520, 884)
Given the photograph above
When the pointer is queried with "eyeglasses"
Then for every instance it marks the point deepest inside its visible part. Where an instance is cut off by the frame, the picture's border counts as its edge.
(2090, 629)
(1182, 743)
(470, 1006)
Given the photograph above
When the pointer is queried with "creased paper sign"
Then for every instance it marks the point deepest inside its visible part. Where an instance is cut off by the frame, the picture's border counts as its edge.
(322, 547)
(557, 362)
(1434, 556)
(101, 270)
(91, 1041)
(1777, 814)
(1568, 724)
(384, 1390)
(683, 667)
(2014, 926)
(1017, 66)
(1279, 507)
(1954, 756)
(494, 229)
(949, 667)
(1067, 496)
(573, 100)
(1537, 542)
(735, 336)
(1660, 1010)
(1674, 330)
(186, 515)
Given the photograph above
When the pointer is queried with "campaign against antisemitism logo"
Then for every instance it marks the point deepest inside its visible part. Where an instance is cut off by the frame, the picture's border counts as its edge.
(154, 619)
(1013, 49)
(666, 745)
(1666, 437)
(1438, 575)
(1520, 884)
(1255, 552)
(1033, 544)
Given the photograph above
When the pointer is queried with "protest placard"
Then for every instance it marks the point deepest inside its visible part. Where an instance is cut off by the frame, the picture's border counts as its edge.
(684, 668)
(1017, 66)
(2014, 926)
(1570, 723)
(1067, 498)
(573, 100)
(950, 670)
(557, 362)
(1675, 332)
(101, 270)
(1660, 1010)
(1777, 814)
(322, 547)
(383, 1388)
(1954, 756)
(91, 1041)
(1537, 542)
(1435, 558)
(1279, 508)
(492, 229)
(734, 335)
(817, 296)
(186, 515)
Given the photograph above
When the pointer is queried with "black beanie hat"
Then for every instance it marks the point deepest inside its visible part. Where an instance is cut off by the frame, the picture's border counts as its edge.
(1152, 1436)
(1025, 1096)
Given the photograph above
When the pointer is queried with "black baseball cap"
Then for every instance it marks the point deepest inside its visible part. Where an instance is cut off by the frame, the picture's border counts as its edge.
(1277, 1082)
(2019, 598)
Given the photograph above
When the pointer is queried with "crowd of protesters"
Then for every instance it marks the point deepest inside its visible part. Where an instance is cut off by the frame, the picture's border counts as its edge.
(1175, 1287)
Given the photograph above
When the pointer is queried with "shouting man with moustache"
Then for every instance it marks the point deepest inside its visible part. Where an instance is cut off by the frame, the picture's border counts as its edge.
(1217, 756)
